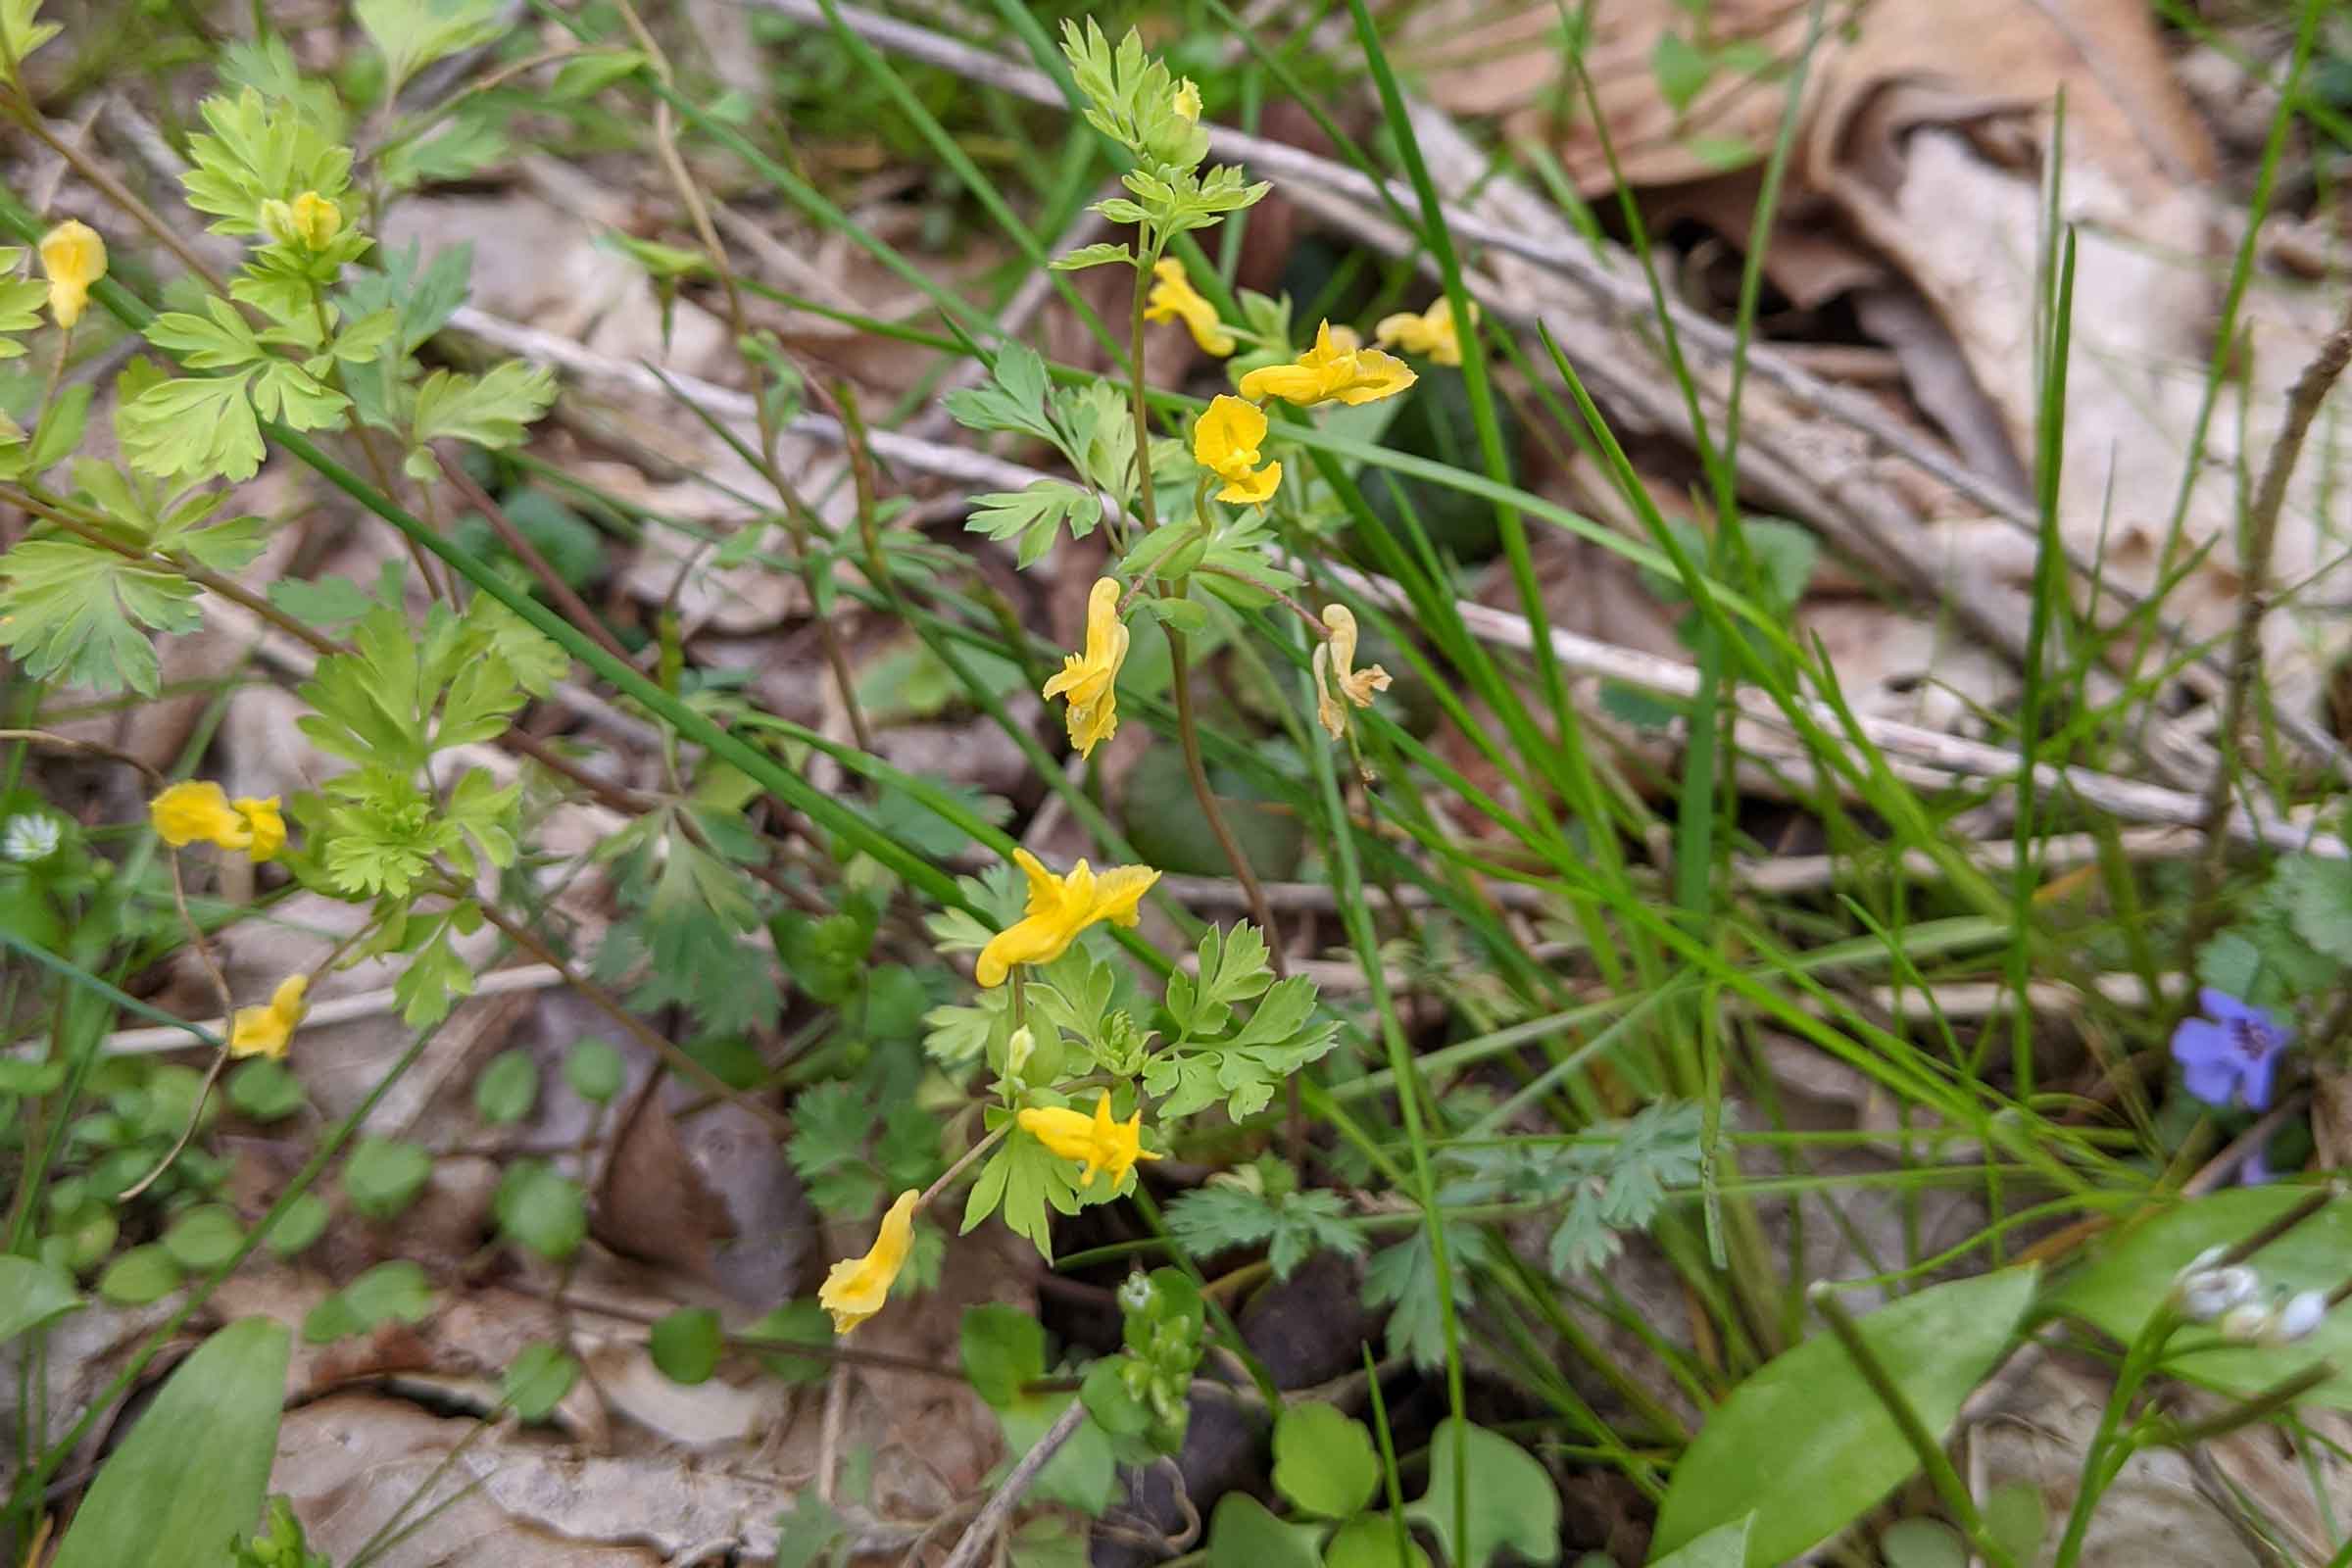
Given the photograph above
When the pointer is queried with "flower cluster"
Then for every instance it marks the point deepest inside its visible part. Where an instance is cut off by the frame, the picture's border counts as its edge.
(2230, 1297)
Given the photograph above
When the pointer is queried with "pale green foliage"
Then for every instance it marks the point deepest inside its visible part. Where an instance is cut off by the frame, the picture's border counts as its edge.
(20, 301)
(256, 150)
(489, 410)
(21, 29)
(1132, 100)
(414, 34)
(1217, 1054)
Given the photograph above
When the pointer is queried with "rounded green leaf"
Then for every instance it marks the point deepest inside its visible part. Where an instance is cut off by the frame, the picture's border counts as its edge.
(1805, 1445)
(2118, 1290)
(384, 1175)
(507, 1089)
(205, 1237)
(397, 1289)
(593, 1068)
(537, 1379)
(141, 1275)
(303, 1222)
(32, 1293)
(1323, 1461)
(187, 1479)
(542, 1210)
(686, 1345)
(265, 1090)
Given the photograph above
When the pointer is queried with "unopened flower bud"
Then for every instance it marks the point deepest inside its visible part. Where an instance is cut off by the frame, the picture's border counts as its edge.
(2297, 1317)
(2206, 1295)
(2246, 1323)
(1017, 1051)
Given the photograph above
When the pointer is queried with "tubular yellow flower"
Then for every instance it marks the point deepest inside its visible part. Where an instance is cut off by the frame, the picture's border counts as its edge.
(267, 1031)
(199, 810)
(1328, 372)
(73, 257)
(310, 220)
(1101, 1144)
(857, 1288)
(262, 821)
(1173, 298)
(1060, 907)
(1090, 679)
(1335, 671)
(1431, 333)
(1187, 101)
(1225, 441)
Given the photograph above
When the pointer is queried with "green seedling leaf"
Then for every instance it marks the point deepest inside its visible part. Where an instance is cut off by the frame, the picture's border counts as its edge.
(303, 1222)
(1369, 1541)
(187, 1481)
(265, 1090)
(541, 1209)
(1512, 1500)
(1805, 1446)
(1323, 1461)
(1242, 1533)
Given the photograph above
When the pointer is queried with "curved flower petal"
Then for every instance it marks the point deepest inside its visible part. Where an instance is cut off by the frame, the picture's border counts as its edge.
(857, 1288)
(197, 810)
(72, 258)
(268, 1031)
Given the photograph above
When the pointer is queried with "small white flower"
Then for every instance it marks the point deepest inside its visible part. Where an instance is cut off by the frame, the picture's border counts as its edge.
(30, 837)
(2246, 1323)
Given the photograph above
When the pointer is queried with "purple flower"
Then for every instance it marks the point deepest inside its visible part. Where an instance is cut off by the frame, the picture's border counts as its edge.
(2232, 1053)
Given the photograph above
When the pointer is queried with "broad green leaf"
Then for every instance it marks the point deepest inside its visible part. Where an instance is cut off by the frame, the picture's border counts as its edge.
(1923, 1543)
(1512, 1500)
(303, 1222)
(489, 410)
(188, 1479)
(1242, 1533)
(265, 1090)
(412, 34)
(1803, 1444)
(1084, 1474)
(2127, 1282)
(1724, 1546)
(32, 1293)
(203, 426)
(1323, 1461)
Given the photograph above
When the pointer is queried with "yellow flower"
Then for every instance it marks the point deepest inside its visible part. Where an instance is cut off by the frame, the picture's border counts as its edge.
(1335, 669)
(310, 220)
(857, 1286)
(1431, 333)
(1090, 679)
(1060, 907)
(1327, 371)
(73, 257)
(1187, 102)
(199, 810)
(267, 1031)
(1174, 298)
(1226, 440)
(1109, 1147)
